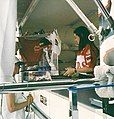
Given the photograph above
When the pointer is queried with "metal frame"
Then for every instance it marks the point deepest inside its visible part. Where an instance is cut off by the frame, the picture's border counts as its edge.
(73, 87)
(90, 25)
(29, 11)
(105, 13)
(73, 96)
(76, 85)
(42, 85)
(73, 102)
(95, 32)
(39, 112)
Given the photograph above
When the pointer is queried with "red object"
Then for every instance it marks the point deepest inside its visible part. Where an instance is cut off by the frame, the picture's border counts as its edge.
(30, 51)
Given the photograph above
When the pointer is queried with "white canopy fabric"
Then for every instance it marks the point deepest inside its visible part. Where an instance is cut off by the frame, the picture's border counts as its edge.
(8, 15)
(112, 9)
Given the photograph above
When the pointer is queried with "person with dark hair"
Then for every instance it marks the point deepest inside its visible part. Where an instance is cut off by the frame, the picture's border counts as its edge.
(13, 104)
(87, 54)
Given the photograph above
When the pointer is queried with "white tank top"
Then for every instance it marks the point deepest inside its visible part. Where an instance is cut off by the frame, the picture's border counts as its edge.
(20, 114)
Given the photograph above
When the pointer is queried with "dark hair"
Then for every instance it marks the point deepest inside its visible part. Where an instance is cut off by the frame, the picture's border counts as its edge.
(83, 33)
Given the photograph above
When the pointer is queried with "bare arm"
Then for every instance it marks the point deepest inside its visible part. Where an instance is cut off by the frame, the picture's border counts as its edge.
(84, 70)
(13, 106)
(69, 71)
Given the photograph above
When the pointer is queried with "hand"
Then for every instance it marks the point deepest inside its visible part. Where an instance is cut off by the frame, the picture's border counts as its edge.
(29, 99)
(69, 71)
